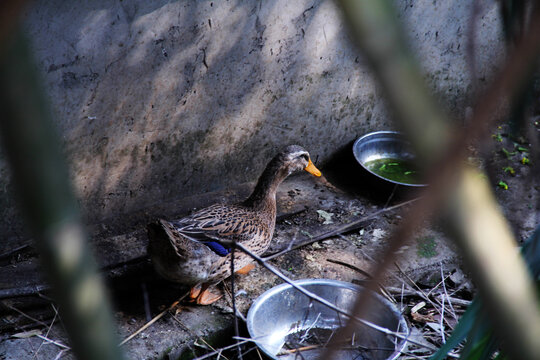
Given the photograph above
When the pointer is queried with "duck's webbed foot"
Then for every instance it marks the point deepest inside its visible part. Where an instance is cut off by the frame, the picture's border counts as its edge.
(246, 269)
(201, 295)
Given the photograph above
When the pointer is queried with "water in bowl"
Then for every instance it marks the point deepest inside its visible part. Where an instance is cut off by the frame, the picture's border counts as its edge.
(400, 170)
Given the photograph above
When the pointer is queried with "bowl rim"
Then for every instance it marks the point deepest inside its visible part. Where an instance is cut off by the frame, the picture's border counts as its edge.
(383, 132)
(354, 287)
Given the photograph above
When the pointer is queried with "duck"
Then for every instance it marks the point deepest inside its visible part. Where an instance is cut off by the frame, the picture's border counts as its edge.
(195, 251)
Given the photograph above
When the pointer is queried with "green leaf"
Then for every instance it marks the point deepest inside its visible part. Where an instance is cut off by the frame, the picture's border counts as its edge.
(508, 154)
(509, 170)
(482, 345)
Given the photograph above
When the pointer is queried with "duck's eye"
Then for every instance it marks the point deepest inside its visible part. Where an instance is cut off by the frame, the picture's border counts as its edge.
(305, 157)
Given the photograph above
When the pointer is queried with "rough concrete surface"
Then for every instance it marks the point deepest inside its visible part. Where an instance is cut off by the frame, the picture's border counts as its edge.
(158, 100)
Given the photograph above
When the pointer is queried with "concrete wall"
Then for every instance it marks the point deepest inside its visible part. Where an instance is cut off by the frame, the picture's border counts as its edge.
(159, 99)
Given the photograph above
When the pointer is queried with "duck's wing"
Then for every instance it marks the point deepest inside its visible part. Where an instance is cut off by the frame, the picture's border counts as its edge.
(218, 226)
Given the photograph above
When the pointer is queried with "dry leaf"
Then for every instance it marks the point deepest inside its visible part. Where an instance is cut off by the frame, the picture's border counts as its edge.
(326, 216)
(27, 334)
(418, 306)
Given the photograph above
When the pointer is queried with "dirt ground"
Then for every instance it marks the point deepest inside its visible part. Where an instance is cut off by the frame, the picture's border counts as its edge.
(308, 208)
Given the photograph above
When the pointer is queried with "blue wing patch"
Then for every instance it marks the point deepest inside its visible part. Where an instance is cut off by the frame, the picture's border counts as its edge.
(217, 248)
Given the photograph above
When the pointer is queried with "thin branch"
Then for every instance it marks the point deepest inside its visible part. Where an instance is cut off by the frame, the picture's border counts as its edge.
(424, 295)
(12, 252)
(366, 274)
(59, 344)
(412, 292)
(352, 267)
(446, 294)
(218, 351)
(156, 318)
(48, 331)
(25, 315)
(233, 297)
(441, 321)
(339, 230)
(60, 354)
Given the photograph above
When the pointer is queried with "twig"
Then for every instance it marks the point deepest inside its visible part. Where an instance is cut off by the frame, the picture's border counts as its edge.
(233, 297)
(60, 354)
(156, 318)
(391, 196)
(13, 251)
(441, 321)
(308, 329)
(423, 294)
(184, 327)
(412, 292)
(446, 294)
(366, 274)
(250, 349)
(339, 230)
(25, 315)
(59, 344)
(401, 305)
(238, 313)
(48, 331)
(239, 341)
(303, 348)
(218, 351)
(350, 266)
(318, 346)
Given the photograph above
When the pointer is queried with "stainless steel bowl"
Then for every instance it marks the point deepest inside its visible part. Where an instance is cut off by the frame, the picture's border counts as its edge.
(284, 315)
(383, 145)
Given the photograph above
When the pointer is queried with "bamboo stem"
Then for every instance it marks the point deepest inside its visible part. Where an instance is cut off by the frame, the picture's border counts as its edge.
(40, 175)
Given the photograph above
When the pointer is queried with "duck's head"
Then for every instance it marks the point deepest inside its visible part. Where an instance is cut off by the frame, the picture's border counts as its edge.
(294, 158)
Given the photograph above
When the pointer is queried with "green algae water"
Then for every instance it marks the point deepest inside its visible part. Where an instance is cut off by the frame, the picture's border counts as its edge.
(399, 170)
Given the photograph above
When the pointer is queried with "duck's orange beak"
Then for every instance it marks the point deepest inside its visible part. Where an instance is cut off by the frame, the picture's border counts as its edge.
(310, 168)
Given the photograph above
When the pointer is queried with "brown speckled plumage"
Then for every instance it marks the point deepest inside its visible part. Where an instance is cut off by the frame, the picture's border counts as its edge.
(180, 250)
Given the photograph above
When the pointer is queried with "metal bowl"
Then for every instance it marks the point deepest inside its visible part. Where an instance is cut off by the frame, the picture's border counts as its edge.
(384, 145)
(283, 318)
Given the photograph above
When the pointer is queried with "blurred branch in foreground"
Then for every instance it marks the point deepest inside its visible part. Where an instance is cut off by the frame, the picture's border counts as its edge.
(41, 178)
(472, 213)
